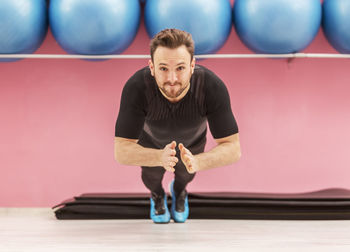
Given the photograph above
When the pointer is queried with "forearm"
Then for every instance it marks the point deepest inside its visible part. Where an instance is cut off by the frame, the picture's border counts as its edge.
(131, 153)
(221, 155)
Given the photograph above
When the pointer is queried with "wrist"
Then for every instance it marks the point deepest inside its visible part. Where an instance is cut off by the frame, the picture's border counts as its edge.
(158, 157)
(197, 162)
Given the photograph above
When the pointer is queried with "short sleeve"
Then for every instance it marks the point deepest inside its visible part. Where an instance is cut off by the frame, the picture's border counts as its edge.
(131, 115)
(221, 120)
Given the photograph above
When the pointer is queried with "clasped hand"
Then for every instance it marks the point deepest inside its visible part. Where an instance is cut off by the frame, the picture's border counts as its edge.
(169, 159)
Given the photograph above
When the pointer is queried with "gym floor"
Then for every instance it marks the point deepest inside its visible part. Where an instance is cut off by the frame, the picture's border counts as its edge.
(37, 229)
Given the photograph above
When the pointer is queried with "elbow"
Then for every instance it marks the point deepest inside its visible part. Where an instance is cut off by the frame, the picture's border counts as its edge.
(119, 151)
(236, 154)
(123, 150)
(119, 156)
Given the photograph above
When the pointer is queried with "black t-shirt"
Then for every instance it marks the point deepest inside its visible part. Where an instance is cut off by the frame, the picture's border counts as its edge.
(145, 114)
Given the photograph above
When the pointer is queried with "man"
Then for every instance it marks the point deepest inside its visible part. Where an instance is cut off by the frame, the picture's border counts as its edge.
(162, 122)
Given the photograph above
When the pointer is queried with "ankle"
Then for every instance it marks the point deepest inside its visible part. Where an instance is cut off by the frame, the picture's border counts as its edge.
(158, 194)
(178, 190)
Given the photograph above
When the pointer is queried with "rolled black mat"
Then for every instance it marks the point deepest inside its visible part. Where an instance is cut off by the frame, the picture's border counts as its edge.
(327, 204)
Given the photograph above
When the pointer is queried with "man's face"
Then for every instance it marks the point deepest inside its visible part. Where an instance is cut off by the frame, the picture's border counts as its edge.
(172, 69)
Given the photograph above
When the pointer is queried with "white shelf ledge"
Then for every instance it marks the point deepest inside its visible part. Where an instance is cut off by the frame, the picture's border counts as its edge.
(202, 56)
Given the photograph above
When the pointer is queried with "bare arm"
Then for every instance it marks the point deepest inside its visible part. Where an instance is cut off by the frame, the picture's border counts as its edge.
(226, 152)
(128, 152)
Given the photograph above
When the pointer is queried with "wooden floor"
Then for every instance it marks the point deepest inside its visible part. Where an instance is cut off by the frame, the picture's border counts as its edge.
(38, 230)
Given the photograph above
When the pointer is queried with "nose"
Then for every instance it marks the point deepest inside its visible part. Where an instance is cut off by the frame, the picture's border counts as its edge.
(172, 77)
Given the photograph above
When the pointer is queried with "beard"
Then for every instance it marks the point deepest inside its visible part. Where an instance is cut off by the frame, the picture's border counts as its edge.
(169, 90)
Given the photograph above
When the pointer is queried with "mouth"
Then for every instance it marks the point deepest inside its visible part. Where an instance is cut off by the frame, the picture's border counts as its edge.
(172, 84)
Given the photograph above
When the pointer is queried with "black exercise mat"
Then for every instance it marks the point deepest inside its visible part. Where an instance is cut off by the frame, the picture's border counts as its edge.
(328, 204)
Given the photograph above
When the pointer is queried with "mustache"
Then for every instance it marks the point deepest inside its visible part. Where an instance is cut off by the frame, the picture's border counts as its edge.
(169, 83)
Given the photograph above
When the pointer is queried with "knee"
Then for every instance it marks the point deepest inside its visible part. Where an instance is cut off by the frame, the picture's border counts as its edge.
(150, 174)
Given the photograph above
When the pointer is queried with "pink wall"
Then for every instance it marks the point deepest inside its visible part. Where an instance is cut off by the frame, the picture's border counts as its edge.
(57, 125)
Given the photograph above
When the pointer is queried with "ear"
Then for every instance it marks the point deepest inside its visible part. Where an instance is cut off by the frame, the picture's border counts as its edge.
(151, 67)
(193, 64)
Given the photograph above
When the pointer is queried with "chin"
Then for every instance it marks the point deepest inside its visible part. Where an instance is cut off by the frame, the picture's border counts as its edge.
(171, 95)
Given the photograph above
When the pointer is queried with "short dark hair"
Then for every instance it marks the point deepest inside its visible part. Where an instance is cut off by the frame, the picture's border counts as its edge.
(172, 38)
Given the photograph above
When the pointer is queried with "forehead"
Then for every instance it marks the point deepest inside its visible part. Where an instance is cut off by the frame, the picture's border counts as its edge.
(164, 55)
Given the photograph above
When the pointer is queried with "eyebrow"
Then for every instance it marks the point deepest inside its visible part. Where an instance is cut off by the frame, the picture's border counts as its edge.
(164, 64)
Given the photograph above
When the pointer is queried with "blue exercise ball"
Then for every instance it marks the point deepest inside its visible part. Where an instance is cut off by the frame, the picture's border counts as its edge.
(336, 24)
(209, 21)
(277, 26)
(23, 26)
(95, 26)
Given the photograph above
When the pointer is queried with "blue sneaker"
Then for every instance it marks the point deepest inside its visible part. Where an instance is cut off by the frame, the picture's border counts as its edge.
(179, 205)
(159, 209)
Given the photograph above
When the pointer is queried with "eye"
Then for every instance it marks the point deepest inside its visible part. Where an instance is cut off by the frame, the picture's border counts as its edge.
(163, 69)
(180, 68)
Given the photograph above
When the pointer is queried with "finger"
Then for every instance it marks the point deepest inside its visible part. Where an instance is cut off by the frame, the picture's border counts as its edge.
(172, 152)
(182, 152)
(181, 146)
(173, 159)
(187, 159)
(173, 145)
(170, 168)
(187, 151)
(189, 168)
